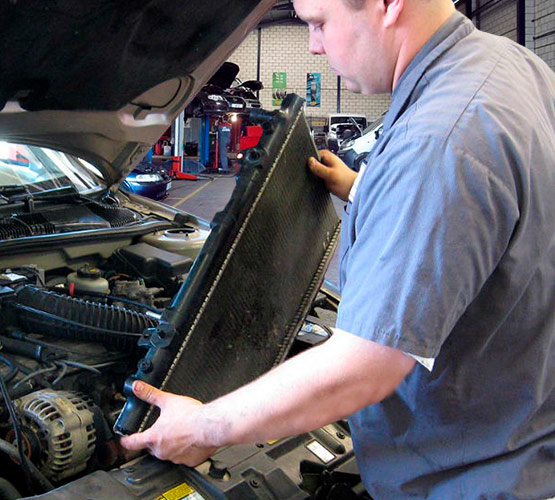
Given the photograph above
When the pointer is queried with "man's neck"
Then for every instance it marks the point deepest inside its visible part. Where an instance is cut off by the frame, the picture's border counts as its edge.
(414, 35)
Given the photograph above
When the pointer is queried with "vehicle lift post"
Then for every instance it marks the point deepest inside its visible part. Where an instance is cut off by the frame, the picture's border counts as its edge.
(177, 158)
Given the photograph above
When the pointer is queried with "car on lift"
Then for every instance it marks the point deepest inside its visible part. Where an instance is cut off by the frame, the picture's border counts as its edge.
(215, 98)
(208, 102)
(246, 91)
(88, 269)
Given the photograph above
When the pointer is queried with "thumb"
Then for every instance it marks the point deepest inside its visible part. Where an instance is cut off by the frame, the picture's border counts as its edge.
(136, 441)
(148, 393)
(317, 168)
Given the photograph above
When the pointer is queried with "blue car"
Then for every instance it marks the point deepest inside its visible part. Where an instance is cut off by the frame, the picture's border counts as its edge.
(152, 181)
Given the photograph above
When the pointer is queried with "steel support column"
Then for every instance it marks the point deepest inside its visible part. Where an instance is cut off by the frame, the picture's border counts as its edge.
(258, 58)
(338, 94)
(521, 22)
(468, 9)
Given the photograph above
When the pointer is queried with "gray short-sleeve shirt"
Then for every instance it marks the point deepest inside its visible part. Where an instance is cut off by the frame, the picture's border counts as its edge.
(448, 252)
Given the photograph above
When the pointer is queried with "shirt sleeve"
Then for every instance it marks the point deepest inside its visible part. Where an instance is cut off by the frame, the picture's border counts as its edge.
(426, 228)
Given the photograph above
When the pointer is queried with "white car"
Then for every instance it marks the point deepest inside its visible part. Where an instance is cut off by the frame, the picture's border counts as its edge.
(355, 150)
(340, 125)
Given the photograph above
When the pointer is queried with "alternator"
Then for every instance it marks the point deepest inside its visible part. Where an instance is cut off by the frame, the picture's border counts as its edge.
(63, 422)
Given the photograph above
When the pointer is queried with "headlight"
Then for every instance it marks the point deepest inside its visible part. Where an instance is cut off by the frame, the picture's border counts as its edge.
(215, 97)
(147, 178)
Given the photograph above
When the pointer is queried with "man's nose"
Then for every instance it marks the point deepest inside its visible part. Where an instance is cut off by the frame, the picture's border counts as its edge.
(315, 45)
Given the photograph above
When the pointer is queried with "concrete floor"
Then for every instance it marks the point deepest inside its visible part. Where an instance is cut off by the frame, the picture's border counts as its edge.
(209, 195)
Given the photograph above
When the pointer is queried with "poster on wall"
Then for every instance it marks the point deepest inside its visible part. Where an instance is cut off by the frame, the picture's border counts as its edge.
(279, 84)
(313, 88)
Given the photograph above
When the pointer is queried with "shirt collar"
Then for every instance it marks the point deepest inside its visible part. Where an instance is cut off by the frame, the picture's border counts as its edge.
(454, 29)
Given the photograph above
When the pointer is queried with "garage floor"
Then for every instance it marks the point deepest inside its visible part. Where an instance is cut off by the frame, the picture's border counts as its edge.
(208, 195)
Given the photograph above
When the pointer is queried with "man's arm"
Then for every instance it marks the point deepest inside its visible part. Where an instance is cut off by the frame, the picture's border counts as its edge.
(317, 387)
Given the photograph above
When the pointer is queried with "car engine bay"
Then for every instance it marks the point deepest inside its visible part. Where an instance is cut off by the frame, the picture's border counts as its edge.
(71, 318)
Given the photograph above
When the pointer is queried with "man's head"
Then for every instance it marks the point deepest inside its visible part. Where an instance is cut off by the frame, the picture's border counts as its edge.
(370, 42)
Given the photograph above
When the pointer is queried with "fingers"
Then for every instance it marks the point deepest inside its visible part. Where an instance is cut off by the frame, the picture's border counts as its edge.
(149, 394)
(328, 158)
(136, 441)
(328, 165)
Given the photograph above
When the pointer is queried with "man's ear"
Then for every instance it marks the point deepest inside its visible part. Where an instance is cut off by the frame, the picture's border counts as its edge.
(392, 11)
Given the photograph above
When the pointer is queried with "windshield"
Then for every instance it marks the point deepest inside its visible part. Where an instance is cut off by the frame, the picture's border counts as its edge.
(35, 169)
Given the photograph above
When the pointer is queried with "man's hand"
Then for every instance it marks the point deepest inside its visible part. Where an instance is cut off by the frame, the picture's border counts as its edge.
(178, 434)
(339, 178)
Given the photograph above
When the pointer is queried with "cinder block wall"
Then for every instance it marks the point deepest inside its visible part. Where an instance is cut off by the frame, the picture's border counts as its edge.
(499, 18)
(285, 49)
(542, 39)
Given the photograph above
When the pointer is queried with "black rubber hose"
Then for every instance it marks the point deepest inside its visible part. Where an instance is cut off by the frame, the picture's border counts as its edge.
(13, 369)
(8, 491)
(41, 311)
(122, 299)
(16, 428)
(43, 483)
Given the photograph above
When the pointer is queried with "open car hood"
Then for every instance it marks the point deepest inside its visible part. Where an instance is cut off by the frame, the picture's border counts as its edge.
(103, 79)
(225, 75)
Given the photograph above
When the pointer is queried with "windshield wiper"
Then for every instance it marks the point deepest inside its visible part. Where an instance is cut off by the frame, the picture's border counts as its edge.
(18, 193)
(59, 193)
(13, 189)
(23, 193)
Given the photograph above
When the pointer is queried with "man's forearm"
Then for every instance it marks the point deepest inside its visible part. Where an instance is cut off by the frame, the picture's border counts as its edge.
(317, 387)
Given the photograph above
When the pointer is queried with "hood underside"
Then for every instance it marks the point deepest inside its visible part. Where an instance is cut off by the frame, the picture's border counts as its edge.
(104, 79)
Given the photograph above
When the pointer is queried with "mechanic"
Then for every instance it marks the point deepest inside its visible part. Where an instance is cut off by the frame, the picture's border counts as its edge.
(444, 355)
(224, 139)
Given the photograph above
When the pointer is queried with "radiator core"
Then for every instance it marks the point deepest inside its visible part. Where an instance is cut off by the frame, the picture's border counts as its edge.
(253, 283)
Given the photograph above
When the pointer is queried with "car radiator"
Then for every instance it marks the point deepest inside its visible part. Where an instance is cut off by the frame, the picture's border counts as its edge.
(238, 312)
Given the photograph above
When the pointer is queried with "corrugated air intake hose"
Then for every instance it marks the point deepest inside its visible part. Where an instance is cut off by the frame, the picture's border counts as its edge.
(49, 313)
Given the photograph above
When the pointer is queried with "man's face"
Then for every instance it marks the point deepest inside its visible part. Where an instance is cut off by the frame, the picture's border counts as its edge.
(354, 41)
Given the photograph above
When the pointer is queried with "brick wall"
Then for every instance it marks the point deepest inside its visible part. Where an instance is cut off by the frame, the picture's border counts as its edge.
(539, 25)
(499, 19)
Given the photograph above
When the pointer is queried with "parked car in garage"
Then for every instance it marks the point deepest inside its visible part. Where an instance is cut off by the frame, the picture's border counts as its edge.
(152, 181)
(353, 151)
(337, 124)
(88, 269)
